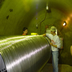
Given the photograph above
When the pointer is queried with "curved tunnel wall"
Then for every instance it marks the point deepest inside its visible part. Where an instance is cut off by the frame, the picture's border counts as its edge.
(16, 14)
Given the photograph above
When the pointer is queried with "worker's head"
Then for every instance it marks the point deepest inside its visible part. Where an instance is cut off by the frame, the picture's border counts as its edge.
(53, 29)
(25, 30)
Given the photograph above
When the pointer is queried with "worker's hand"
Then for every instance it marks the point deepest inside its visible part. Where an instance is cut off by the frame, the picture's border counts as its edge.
(44, 35)
(51, 44)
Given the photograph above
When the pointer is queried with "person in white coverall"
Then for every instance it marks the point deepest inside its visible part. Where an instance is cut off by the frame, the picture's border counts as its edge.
(55, 45)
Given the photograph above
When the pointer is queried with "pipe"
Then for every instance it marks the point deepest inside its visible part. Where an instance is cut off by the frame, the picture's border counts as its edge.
(24, 53)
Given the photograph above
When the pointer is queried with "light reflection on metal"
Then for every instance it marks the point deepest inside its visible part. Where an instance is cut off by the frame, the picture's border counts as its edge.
(13, 38)
(10, 42)
(24, 57)
(24, 53)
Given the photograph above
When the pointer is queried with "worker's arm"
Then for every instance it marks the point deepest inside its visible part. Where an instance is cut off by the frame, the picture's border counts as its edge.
(57, 44)
(44, 35)
(47, 35)
(53, 45)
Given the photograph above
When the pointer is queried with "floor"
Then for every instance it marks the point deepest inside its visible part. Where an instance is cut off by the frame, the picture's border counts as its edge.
(62, 68)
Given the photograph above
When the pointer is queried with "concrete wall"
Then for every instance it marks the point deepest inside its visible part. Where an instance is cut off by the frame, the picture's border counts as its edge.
(12, 22)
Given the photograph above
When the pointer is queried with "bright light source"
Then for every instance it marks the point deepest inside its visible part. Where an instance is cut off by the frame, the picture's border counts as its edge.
(48, 9)
(64, 24)
(47, 6)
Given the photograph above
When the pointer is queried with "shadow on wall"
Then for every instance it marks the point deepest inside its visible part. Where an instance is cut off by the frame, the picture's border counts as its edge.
(1, 3)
